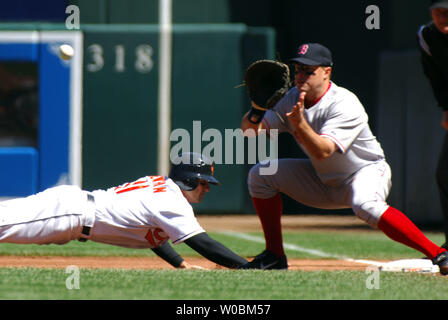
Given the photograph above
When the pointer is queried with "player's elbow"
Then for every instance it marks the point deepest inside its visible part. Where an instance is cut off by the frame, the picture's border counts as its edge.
(322, 154)
(325, 150)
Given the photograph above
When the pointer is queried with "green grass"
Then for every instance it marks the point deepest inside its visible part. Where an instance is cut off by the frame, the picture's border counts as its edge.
(50, 284)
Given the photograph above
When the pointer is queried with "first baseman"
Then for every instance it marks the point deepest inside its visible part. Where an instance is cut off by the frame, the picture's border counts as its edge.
(346, 167)
(145, 213)
(433, 44)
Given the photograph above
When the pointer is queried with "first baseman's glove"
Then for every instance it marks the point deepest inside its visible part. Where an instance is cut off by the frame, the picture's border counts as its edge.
(267, 82)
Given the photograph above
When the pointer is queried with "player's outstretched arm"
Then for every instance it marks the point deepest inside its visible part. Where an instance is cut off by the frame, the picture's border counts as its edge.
(167, 253)
(214, 251)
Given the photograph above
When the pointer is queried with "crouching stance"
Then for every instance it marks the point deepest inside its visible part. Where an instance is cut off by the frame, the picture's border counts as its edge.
(346, 166)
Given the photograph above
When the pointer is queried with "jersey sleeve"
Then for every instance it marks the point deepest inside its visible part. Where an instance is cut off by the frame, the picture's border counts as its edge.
(275, 118)
(179, 223)
(345, 121)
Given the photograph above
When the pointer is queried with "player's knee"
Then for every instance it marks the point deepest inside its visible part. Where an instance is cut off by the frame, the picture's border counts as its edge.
(370, 211)
(254, 179)
(253, 174)
(259, 185)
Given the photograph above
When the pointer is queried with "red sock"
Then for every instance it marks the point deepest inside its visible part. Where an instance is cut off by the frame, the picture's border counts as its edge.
(399, 228)
(269, 212)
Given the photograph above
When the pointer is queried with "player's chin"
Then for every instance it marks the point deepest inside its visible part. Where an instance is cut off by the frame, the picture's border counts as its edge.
(198, 198)
(301, 86)
(443, 28)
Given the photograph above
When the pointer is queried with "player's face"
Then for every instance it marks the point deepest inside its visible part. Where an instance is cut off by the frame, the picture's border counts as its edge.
(310, 78)
(440, 18)
(196, 195)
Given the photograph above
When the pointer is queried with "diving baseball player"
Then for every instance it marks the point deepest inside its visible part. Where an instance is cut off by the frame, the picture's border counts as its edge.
(346, 166)
(145, 213)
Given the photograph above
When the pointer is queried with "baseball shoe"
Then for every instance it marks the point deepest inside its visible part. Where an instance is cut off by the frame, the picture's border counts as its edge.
(442, 261)
(267, 261)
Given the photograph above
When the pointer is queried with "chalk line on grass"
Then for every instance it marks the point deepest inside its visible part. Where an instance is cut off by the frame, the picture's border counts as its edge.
(403, 265)
(293, 247)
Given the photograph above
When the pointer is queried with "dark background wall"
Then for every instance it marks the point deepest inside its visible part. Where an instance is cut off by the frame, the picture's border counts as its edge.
(363, 60)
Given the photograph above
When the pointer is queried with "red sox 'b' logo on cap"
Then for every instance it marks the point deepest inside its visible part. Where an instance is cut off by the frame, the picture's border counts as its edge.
(303, 49)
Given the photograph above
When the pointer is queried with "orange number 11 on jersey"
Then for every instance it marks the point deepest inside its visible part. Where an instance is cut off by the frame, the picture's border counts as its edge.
(158, 184)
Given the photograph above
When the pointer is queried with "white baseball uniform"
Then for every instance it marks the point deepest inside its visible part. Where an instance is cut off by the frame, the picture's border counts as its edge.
(356, 175)
(142, 214)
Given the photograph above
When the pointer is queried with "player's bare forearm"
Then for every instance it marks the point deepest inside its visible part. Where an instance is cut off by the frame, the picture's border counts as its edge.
(319, 147)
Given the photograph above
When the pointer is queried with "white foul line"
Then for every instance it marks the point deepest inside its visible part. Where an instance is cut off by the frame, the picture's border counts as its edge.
(403, 265)
(294, 247)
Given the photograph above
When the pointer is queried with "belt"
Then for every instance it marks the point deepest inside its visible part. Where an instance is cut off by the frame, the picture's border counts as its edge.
(85, 229)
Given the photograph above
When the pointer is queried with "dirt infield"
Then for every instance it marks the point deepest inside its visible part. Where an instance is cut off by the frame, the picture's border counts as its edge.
(155, 263)
(210, 223)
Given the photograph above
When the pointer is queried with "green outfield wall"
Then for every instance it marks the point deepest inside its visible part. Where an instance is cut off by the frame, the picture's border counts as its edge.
(121, 69)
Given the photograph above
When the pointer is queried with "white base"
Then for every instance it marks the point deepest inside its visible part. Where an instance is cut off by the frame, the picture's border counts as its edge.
(410, 265)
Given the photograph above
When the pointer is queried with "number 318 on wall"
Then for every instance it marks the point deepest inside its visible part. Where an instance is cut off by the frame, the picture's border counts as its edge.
(143, 58)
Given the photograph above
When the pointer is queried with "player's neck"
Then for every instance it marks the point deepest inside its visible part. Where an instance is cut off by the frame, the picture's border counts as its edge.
(312, 100)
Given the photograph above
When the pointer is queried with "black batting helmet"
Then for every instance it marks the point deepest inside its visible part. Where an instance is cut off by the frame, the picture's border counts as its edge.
(188, 168)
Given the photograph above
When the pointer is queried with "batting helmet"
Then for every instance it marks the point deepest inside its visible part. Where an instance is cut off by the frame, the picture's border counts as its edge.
(189, 168)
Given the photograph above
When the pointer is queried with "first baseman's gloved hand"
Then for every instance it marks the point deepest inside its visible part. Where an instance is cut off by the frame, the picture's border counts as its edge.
(267, 82)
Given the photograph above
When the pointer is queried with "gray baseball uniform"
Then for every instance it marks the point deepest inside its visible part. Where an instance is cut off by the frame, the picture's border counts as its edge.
(355, 176)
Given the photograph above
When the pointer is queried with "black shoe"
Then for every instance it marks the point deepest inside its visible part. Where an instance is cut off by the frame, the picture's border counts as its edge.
(267, 261)
(442, 261)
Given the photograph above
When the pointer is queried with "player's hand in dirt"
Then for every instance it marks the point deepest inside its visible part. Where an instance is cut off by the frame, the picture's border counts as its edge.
(186, 265)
